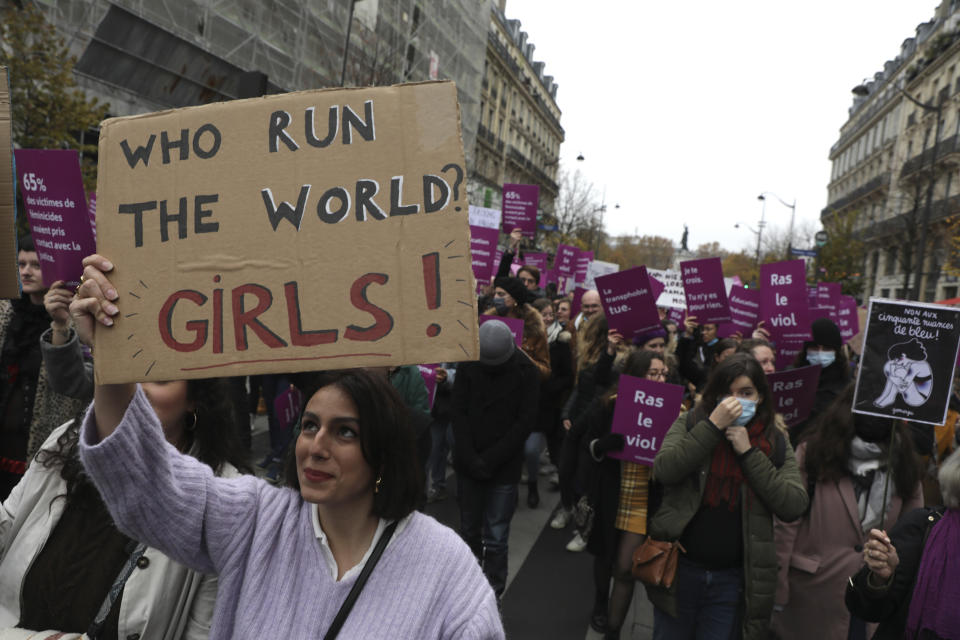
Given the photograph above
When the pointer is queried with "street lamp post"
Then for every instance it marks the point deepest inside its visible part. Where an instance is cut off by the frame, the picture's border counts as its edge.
(763, 215)
(793, 213)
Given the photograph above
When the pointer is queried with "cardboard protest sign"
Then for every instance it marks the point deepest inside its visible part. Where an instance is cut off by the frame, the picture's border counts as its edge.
(312, 230)
(705, 291)
(644, 412)
(784, 301)
(483, 248)
(584, 258)
(286, 407)
(628, 302)
(847, 318)
(484, 217)
(9, 275)
(909, 357)
(52, 189)
(520, 202)
(598, 268)
(514, 324)
(744, 310)
(673, 296)
(793, 392)
(565, 260)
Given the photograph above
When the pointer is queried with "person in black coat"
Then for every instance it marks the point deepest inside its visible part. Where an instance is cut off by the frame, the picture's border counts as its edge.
(494, 407)
(824, 350)
(913, 576)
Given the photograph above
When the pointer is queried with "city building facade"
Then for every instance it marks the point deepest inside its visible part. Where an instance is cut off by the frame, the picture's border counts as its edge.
(147, 55)
(519, 134)
(895, 165)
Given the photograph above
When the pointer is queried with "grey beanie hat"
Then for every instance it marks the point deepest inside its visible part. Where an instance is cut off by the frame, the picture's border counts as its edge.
(496, 342)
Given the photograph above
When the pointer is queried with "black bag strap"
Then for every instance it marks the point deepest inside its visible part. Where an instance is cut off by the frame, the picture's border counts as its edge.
(361, 580)
(96, 627)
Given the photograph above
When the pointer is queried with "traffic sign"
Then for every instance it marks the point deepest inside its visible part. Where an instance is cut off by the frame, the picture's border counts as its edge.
(821, 238)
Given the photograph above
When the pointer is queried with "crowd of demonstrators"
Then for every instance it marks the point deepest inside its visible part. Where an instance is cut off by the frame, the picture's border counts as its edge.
(151, 476)
(352, 483)
(842, 458)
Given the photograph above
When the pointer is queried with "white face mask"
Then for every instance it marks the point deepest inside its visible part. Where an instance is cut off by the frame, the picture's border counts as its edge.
(822, 358)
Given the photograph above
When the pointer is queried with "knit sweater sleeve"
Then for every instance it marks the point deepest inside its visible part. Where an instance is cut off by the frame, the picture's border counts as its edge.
(164, 498)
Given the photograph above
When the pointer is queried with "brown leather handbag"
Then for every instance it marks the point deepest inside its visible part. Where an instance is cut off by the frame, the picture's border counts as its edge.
(655, 562)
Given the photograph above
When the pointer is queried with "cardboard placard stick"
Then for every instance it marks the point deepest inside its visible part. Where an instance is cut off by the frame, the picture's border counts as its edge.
(313, 230)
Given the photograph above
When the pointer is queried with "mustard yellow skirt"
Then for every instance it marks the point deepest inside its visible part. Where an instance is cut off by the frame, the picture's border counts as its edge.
(632, 511)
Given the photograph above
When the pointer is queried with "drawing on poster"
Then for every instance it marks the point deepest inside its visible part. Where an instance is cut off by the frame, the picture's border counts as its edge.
(908, 373)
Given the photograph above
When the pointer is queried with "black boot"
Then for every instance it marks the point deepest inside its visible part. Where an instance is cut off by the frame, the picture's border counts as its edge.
(533, 496)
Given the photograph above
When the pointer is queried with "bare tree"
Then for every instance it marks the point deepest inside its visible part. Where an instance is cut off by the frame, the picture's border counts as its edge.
(577, 212)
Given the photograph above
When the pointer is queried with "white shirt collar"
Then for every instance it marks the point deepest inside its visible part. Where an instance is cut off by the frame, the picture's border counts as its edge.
(328, 554)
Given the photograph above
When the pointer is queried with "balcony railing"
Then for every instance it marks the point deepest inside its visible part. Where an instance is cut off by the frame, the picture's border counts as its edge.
(897, 225)
(880, 182)
(522, 161)
(921, 160)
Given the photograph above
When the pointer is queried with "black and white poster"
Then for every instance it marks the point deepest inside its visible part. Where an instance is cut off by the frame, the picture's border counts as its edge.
(909, 355)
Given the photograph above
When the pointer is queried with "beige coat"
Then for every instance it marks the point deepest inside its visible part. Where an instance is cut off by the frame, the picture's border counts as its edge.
(817, 554)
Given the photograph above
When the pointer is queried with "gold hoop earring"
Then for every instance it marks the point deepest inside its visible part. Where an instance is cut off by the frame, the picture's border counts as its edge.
(376, 487)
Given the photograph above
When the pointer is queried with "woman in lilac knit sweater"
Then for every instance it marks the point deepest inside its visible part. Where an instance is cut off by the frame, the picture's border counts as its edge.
(287, 558)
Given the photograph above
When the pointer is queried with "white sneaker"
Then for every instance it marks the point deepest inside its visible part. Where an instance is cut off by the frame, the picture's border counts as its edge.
(578, 544)
(561, 519)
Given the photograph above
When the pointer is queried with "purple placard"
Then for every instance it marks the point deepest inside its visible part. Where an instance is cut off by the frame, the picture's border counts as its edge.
(565, 284)
(744, 311)
(483, 250)
(787, 352)
(784, 301)
(565, 262)
(52, 190)
(813, 294)
(520, 203)
(286, 407)
(828, 294)
(429, 375)
(575, 303)
(628, 302)
(705, 290)
(793, 392)
(847, 319)
(92, 212)
(537, 259)
(656, 286)
(644, 412)
(515, 324)
(677, 316)
(584, 258)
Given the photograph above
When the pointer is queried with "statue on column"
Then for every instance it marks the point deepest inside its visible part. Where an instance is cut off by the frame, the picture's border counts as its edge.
(683, 240)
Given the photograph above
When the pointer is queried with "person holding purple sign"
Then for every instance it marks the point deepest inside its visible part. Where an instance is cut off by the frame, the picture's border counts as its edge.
(511, 299)
(619, 496)
(844, 460)
(529, 275)
(29, 409)
(825, 350)
(695, 350)
(726, 470)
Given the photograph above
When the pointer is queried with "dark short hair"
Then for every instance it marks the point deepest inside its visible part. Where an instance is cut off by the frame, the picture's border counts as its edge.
(722, 345)
(747, 346)
(723, 375)
(532, 270)
(638, 362)
(387, 439)
(25, 243)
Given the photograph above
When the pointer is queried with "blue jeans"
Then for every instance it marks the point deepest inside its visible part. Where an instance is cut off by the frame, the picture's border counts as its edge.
(532, 449)
(441, 436)
(709, 604)
(485, 513)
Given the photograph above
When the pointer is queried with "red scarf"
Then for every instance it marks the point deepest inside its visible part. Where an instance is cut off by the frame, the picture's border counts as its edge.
(726, 476)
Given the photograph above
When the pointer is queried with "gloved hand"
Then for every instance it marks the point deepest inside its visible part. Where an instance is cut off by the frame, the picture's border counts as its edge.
(609, 442)
(477, 468)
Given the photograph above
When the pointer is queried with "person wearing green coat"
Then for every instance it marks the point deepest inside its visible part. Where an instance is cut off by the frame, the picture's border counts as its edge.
(726, 469)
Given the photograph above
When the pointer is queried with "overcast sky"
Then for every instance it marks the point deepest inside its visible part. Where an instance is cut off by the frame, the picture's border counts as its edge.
(686, 111)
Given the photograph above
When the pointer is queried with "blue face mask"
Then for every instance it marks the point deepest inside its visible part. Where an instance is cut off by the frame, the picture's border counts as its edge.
(713, 342)
(822, 358)
(749, 411)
